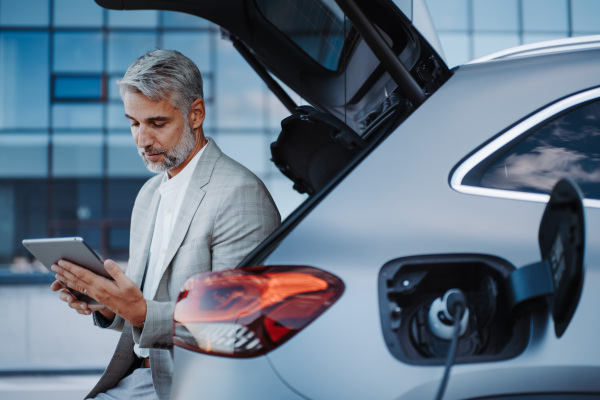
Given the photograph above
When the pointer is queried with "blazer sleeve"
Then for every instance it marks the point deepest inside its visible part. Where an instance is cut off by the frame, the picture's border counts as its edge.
(157, 332)
(100, 321)
(244, 219)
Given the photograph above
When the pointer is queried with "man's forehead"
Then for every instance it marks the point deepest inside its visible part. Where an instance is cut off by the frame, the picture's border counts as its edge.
(139, 106)
(134, 95)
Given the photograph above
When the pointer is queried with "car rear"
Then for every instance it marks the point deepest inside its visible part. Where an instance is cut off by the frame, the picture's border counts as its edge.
(397, 208)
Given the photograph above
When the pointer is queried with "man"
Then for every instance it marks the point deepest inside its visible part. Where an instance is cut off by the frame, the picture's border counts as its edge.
(203, 212)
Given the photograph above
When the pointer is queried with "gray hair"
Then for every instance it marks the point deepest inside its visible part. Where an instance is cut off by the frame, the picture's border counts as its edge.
(164, 74)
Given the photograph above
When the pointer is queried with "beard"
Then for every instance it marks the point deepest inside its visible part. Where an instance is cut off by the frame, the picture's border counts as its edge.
(173, 157)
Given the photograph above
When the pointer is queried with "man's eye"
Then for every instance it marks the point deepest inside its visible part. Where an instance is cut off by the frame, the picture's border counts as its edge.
(135, 124)
(159, 125)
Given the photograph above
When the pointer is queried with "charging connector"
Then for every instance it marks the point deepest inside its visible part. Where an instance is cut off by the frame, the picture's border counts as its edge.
(452, 308)
(443, 313)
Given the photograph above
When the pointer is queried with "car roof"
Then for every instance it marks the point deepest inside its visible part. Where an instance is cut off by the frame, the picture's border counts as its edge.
(547, 47)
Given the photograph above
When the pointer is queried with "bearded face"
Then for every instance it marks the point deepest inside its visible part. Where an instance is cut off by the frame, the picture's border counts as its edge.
(173, 157)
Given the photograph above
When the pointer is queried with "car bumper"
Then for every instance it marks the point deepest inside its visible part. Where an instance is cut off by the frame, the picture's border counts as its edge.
(203, 376)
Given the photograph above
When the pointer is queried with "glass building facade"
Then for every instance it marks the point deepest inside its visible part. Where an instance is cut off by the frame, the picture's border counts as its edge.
(68, 165)
(469, 29)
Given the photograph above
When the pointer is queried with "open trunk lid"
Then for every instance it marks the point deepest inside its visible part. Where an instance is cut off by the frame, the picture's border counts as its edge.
(345, 57)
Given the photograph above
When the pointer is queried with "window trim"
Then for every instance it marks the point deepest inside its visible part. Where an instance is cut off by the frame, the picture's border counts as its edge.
(523, 127)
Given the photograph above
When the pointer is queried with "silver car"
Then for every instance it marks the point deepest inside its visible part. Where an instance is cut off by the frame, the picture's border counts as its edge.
(450, 243)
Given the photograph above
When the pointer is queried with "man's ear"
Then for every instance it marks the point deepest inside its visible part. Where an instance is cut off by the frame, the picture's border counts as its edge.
(196, 116)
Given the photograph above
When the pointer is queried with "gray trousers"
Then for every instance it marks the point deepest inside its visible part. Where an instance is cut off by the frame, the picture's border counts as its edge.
(137, 386)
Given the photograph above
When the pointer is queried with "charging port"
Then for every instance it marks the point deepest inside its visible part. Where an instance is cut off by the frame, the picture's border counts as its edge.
(409, 286)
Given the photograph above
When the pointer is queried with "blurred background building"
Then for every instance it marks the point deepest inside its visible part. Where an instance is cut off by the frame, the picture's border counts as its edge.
(68, 165)
(470, 29)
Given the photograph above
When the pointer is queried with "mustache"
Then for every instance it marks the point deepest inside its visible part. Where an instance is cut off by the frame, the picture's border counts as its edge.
(152, 150)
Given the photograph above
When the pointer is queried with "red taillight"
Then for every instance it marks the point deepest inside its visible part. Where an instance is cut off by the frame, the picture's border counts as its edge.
(248, 312)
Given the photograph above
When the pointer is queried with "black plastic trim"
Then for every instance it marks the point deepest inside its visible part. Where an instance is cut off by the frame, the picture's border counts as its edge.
(407, 286)
(406, 83)
(261, 71)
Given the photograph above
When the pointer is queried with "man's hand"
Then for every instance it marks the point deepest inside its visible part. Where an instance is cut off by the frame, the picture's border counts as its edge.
(81, 307)
(121, 296)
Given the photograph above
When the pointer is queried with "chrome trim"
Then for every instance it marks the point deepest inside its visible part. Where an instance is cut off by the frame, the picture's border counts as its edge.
(547, 47)
(466, 166)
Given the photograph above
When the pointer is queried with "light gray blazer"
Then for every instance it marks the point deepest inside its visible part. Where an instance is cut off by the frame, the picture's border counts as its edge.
(225, 213)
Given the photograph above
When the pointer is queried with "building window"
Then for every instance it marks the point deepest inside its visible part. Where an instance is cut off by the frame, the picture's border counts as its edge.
(78, 88)
(77, 13)
(19, 13)
(24, 79)
(77, 52)
(15, 147)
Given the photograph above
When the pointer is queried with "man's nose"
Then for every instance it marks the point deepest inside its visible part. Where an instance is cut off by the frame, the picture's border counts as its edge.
(144, 137)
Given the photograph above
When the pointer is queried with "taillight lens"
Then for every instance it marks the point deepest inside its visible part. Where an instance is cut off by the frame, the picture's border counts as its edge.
(248, 312)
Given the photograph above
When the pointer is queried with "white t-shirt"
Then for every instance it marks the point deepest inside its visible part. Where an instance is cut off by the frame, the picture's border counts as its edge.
(172, 192)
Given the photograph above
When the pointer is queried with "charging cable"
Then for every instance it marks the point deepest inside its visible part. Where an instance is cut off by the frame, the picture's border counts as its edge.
(451, 308)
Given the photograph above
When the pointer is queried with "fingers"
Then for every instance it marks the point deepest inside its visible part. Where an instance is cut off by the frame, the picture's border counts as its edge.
(56, 286)
(69, 275)
(66, 296)
(123, 297)
(80, 306)
(114, 270)
(73, 276)
(97, 307)
(119, 296)
(74, 271)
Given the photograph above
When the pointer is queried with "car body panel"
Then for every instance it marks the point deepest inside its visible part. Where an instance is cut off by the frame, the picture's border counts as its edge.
(354, 334)
(226, 378)
(410, 209)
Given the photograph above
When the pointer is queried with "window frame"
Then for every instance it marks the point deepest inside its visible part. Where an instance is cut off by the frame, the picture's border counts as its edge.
(506, 141)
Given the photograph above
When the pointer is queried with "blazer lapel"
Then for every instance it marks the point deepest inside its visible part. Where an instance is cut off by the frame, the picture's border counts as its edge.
(192, 199)
(138, 272)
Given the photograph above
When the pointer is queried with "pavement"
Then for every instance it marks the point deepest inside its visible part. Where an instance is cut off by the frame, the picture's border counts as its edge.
(47, 351)
(46, 387)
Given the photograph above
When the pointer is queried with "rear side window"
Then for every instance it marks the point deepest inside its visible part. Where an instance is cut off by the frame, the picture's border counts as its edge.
(564, 144)
(318, 27)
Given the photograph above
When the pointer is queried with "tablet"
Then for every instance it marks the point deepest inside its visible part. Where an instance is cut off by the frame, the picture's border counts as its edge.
(74, 249)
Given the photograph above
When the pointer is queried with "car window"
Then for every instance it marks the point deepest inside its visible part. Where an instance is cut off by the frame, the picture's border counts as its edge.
(565, 145)
(318, 27)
